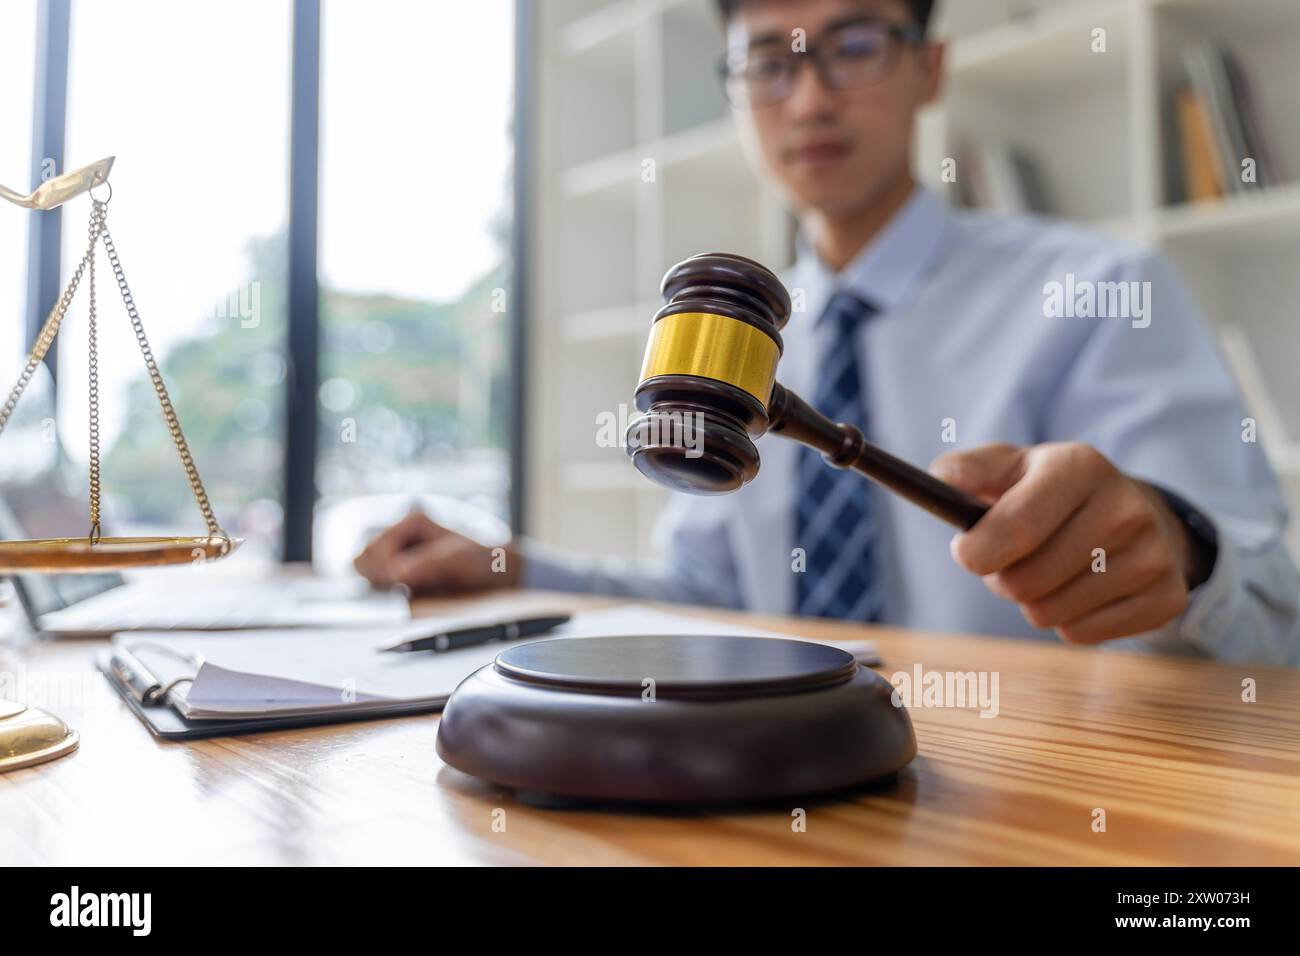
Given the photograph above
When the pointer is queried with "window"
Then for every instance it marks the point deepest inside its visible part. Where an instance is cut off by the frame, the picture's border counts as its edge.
(412, 260)
(17, 70)
(198, 214)
(415, 214)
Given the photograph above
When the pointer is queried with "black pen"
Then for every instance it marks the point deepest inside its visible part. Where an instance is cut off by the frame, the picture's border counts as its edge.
(482, 634)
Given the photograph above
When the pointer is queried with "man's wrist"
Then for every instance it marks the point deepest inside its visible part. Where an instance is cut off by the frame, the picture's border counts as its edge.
(514, 566)
(1198, 535)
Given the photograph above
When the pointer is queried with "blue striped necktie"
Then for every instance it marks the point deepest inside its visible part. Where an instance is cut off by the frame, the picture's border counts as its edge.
(836, 518)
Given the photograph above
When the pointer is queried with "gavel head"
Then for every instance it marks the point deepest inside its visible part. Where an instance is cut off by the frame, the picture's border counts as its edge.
(708, 375)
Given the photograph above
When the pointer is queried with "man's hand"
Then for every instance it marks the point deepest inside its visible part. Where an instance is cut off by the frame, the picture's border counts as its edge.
(430, 559)
(1053, 506)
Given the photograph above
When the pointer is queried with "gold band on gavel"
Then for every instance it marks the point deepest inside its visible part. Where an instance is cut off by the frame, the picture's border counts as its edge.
(713, 346)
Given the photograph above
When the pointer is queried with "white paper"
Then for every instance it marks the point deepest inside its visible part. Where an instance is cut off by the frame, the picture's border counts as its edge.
(253, 672)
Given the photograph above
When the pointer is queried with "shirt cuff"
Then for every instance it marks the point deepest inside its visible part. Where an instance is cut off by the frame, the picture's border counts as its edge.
(1214, 604)
(546, 569)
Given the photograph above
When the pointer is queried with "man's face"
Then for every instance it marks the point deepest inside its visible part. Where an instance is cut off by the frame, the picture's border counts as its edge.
(834, 150)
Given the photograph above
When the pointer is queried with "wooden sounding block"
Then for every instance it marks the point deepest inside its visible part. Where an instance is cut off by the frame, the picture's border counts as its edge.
(680, 719)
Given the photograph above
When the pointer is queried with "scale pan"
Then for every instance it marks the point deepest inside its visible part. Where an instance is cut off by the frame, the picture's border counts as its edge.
(79, 556)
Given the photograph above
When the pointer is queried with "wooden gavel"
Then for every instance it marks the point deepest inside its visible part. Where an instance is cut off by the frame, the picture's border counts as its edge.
(708, 389)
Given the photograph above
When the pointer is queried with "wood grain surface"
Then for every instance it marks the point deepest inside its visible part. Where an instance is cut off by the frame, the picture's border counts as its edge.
(1185, 771)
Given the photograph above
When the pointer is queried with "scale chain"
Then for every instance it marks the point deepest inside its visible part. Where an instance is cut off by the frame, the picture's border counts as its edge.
(155, 376)
(96, 226)
(49, 331)
(98, 231)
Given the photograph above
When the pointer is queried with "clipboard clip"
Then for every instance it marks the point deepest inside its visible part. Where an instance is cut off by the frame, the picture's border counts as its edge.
(140, 681)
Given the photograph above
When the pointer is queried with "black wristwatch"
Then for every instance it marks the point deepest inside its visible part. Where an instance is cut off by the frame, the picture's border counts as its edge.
(1201, 535)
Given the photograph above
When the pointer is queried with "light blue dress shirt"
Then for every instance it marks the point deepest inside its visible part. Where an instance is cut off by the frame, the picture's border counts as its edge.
(970, 347)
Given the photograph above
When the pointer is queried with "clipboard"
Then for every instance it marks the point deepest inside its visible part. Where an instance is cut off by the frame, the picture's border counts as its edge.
(154, 710)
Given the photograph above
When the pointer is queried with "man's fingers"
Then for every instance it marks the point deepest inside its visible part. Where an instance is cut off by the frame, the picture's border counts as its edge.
(415, 528)
(1057, 480)
(986, 471)
(1128, 571)
(1072, 549)
(1038, 544)
(375, 563)
(428, 566)
(1143, 611)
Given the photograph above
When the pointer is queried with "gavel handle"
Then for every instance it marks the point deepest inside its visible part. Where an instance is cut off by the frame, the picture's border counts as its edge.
(845, 447)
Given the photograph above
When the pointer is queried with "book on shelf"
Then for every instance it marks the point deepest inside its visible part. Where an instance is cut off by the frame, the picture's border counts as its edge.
(1218, 126)
(1247, 107)
(1202, 178)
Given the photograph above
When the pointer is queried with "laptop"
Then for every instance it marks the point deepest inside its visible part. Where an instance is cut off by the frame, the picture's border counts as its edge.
(35, 504)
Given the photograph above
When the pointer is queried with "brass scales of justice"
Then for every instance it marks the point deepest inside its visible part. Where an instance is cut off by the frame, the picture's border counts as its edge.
(28, 735)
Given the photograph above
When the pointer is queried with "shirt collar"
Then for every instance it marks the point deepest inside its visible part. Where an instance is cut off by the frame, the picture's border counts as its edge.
(888, 268)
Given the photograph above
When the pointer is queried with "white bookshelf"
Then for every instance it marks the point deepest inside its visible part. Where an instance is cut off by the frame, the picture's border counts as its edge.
(620, 82)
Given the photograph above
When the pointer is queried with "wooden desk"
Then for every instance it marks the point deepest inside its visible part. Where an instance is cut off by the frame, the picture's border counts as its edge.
(1186, 772)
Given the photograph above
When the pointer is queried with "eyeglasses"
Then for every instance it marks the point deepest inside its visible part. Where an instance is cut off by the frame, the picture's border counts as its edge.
(847, 57)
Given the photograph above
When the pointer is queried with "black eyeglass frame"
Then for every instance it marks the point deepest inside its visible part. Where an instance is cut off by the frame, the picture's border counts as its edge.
(908, 34)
